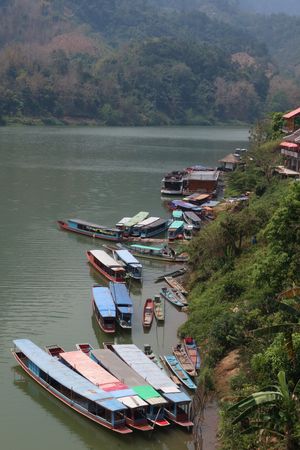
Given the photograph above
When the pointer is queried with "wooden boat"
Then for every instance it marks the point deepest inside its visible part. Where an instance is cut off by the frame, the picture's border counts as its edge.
(175, 284)
(169, 295)
(188, 231)
(174, 273)
(136, 411)
(178, 370)
(154, 228)
(54, 350)
(159, 308)
(132, 266)
(184, 206)
(184, 360)
(85, 348)
(158, 253)
(178, 406)
(191, 218)
(192, 351)
(106, 265)
(128, 226)
(69, 387)
(91, 229)
(175, 230)
(148, 313)
(152, 356)
(123, 302)
(104, 308)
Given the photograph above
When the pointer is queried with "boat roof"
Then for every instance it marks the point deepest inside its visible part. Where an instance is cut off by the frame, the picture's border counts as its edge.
(176, 224)
(106, 259)
(185, 205)
(122, 221)
(148, 370)
(146, 222)
(156, 223)
(177, 397)
(191, 215)
(104, 301)
(127, 257)
(196, 197)
(66, 376)
(142, 215)
(211, 203)
(120, 294)
(177, 214)
(146, 247)
(122, 371)
(94, 225)
(90, 370)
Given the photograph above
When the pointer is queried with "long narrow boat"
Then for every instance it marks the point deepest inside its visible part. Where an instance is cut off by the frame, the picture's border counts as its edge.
(106, 265)
(136, 412)
(178, 406)
(191, 218)
(173, 274)
(91, 229)
(184, 360)
(139, 217)
(180, 373)
(159, 308)
(85, 347)
(123, 304)
(132, 266)
(136, 229)
(158, 253)
(148, 313)
(175, 230)
(155, 228)
(192, 351)
(175, 284)
(104, 308)
(169, 295)
(153, 357)
(117, 367)
(69, 387)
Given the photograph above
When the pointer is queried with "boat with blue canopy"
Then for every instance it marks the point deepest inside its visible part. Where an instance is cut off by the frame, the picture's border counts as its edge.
(185, 206)
(175, 230)
(104, 308)
(133, 267)
(174, 365)
(123, 304)
(91, 229)
(69, 387)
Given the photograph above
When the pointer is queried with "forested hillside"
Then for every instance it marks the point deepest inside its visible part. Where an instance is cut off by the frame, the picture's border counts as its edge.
(134, 62)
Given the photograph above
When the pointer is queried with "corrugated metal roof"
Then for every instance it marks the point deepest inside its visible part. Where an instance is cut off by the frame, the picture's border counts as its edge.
(291, 114)
(149, 394)
(104, 301)
(185, 205)
(146, 222)
(127, 257)
(120, 294)
(106, 259)
(177, 397)
(90, 224)
(289, 144)
(147, 369)
(176, 224)
(122, 221)
(112, 405)
(133, 402)
(59, 372)
(142, 215)
(191, 215)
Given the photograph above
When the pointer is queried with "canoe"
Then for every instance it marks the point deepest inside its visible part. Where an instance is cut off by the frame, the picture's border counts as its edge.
(176, 285)
(193, 351)
(85, 348)
(153, 357)
(177, 369)
(54, 350)
(169, 295)
(148, 313)
(184, 359)
(174, 273)
(159, 308)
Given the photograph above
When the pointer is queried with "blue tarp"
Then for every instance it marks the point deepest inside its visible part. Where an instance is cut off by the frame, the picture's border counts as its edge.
(122, 393)
(177, 397)
(120, 294)
(112, 405)
(104, 301)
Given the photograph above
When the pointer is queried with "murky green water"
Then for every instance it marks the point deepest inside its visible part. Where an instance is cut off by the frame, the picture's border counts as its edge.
(101, 175)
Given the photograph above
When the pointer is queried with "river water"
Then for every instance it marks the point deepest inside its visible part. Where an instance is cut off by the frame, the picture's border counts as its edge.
(100, 175)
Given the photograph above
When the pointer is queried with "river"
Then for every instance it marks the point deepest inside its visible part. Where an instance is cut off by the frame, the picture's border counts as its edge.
(100, 175)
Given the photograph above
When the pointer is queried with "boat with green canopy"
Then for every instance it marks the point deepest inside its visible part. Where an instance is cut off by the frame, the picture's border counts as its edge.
(139, 217)
(159, 253)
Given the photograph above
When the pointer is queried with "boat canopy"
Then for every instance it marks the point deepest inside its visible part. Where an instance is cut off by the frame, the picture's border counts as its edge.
(93, 225)
(184, 205)
(133, 401)
(106, 259)
(177, 397)
(176, 224)
(61, 373)
(148, 370)
(192, 216)
(104, 301)
(122, 221)
(210, 204)
(146, 247)
(146, 222)
(128, 258)
(120, 294)
(139, 217)
(177, 214)
(112, 405)
(149, 394)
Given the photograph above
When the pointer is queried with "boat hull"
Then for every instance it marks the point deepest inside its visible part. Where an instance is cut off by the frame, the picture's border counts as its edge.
(98, 268)
(64, 226)
(101, 325)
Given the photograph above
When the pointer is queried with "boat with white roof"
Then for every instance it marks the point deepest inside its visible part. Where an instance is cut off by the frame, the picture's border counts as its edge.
(106, 265)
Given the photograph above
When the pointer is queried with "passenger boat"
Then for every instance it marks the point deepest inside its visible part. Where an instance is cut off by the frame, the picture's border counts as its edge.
(128, 226)
(193, 351)
(70, 388)
(120, 224)
(104, 308)
(85, 348)
(159, 308)
(172, 183)
(91, 229)
(136, 229)
(188, 231)
(132, 266)
(184, 360)
(184, 206)
(175, 230)
(106, 265)
(191, 218)
(117, 367)
(123, 304)
(154, 228)
(169, 295)
(148, 313)
(136, 408)
(178, 406)
(175, 367)
(175, 284)
(158, 253)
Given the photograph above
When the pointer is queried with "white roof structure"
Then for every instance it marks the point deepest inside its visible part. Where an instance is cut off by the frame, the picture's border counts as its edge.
(146, 222)
(107, 260)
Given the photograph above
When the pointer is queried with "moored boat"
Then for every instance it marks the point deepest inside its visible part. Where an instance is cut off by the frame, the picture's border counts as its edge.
(184, 360)
(191, 218)
(153, 229)
(175, 284)
(159, 308)
(84, 347)
(128, 226)
(136, 229)
(169, 295)
(180, 373)
(188, 231)
(132, 266)
(175, 230)
(104, 308)
(184, 206)
(69, 387)
(148, 313)
(175, 273)
(192, 351)
(123, 304)
(106, 265)
(158, 253)
(54, 350)
(91, 229)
